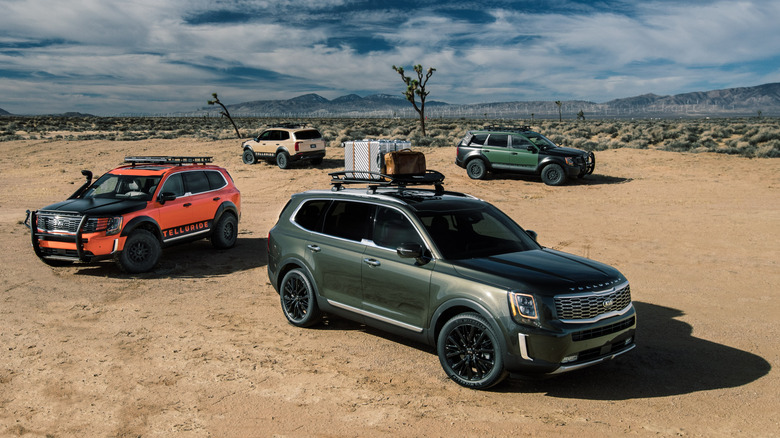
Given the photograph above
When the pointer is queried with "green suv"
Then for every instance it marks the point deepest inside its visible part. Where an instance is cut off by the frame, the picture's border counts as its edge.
(520, 150)
(449, 270)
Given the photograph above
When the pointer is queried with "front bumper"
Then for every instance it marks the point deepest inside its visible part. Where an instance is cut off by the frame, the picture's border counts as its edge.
(544, 352)
(78, 246)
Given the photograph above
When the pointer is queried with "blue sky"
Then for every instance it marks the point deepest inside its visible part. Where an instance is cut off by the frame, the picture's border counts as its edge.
(108, 57)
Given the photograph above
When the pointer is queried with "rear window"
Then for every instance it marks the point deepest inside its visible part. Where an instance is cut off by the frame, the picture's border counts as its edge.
(309, 215)
(309, 134)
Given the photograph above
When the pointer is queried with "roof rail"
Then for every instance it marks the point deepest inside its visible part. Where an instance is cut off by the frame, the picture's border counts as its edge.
(375, 179)
(167, 159)
(521, 128)
(290, 125)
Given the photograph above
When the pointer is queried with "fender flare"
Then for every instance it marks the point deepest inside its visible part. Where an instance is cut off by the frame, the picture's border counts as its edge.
(139, 221)
(227, 206)
(550, 160)
(438, 321)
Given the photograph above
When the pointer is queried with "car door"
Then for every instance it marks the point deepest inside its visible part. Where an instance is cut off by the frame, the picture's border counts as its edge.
(497, 151)
(335, 254)
(395, 290)
(523, 153)
(192, 211)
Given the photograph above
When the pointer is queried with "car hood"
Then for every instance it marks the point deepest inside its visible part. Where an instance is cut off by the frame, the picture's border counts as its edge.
(98, 206)
(543, 272)
(565, 152)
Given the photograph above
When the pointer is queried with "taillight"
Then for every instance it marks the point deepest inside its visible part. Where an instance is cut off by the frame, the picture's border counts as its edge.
(297, 145)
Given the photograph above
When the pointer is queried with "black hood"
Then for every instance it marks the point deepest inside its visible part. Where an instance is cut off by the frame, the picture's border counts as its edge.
(565, 152)
(99, 206)
(543, 271)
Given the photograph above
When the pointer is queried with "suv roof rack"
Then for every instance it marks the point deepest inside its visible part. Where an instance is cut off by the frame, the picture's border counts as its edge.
(290, 125)
(521, 128)
(167, 159)
(376, 179)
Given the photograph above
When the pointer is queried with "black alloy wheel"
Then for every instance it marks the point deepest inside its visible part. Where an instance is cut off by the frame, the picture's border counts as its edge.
(298, 301)
(141, 252)
(470, 353)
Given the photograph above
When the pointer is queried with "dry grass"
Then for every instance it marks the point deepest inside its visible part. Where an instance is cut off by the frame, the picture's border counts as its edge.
(749, 137)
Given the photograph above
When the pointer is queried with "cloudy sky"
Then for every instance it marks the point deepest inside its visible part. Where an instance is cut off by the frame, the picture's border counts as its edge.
(111, 57)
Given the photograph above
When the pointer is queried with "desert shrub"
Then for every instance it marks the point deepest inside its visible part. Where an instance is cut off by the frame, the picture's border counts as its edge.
(769, 150)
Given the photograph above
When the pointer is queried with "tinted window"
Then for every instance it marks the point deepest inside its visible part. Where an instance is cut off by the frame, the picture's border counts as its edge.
(196, 182)
(283, 135)
(174, 185)
(267, 135)
(520, 142)
(308, 134)
(479, 232)
(499, 140)
(216, 180)
(309, 215)
(478, 139)
(392, 228)
(348, 220)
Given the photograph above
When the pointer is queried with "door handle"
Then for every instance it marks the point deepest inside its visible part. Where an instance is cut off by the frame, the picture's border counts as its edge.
(216, 199)
(186, 205)
(371, 262)
(314, 248)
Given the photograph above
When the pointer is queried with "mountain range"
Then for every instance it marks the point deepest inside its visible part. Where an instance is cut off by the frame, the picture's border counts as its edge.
(743, 101)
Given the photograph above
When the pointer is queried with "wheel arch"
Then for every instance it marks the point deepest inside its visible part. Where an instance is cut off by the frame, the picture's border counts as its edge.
(226, 207)
(144, 223)
(477, 155)
(550, 160)
(455, 307)
(288, 265)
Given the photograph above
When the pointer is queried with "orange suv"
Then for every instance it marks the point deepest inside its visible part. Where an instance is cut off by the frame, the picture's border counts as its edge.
(132, 212)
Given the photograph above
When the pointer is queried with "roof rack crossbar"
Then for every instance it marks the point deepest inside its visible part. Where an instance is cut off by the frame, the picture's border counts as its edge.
(521, 128)
(375, 180)
(166, 159)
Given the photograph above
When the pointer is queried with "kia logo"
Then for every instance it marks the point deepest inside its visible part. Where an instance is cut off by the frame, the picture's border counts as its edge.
(608, 302)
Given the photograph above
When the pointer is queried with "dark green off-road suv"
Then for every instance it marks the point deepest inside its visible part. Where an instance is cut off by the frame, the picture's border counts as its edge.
(520, 150)
(449, 270)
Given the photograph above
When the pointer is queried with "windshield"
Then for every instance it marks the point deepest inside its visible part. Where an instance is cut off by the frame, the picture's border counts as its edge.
(539, 140)
(112, 186)
(474, 233)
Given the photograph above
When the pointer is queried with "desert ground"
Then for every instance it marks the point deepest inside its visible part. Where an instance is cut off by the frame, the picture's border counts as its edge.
(199, 347)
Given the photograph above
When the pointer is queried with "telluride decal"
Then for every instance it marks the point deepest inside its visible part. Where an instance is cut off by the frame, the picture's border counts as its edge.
(186, 230)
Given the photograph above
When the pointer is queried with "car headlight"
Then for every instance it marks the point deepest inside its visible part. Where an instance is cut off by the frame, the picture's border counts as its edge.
(523, 307)
(114, 225)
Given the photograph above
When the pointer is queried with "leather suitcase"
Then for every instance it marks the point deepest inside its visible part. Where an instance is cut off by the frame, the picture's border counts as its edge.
(405, 162)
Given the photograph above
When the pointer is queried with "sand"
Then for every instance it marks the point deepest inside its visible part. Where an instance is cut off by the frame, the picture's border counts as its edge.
(199, 346)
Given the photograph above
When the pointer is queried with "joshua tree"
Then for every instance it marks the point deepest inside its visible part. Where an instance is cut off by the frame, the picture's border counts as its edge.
(417, 86)
(224, 112)
(559, 103)
(581, 115)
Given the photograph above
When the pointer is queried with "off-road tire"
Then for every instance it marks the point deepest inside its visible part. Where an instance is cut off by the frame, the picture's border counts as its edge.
(299, 303)
(248, 157)
(140, 254)
(470, 353)
(553, 175)
(283, 160)
(476, 169)
(225, 232)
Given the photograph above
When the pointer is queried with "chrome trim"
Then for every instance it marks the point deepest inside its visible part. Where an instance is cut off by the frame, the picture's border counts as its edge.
(600, 317)
(567, 368)
(522, 342)
(375, 316)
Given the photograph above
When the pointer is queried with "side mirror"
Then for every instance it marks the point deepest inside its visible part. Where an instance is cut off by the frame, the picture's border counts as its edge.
(532, 233)
(412, 251)
(165, 196)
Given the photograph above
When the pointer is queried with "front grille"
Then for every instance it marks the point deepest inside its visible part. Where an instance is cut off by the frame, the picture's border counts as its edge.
(69, 223)
(602, 331)
(589, 307)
